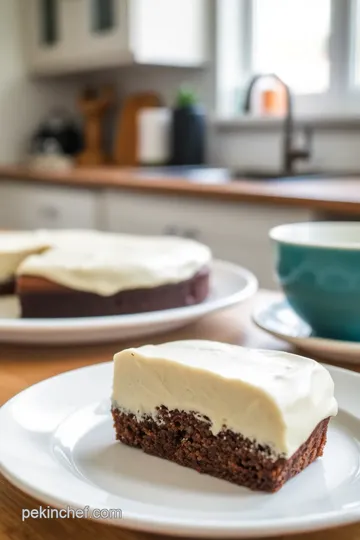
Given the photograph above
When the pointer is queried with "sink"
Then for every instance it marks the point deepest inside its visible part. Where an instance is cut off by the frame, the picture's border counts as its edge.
(197, 173)
(278, 176)
(217, 174)
(207, 174)
(268, 176)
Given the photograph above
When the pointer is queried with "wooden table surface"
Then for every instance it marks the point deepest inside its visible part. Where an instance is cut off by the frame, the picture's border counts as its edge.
(21, 367)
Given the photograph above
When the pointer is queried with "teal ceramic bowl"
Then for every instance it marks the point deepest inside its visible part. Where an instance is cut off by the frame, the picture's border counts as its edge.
(318, 268)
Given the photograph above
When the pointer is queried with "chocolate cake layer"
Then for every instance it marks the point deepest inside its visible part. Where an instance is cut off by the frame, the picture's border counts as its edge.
(7, 287)
(186, 440)
(40, 298)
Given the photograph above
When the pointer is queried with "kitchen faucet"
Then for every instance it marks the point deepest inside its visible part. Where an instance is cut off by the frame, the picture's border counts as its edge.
(290, 153)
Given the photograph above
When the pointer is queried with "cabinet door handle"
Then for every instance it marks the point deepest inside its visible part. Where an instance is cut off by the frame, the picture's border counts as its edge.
(171, 230)
(49, 212)
(192, 234)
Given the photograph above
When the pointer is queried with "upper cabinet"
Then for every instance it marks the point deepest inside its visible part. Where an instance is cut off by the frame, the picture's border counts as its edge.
(64, 36)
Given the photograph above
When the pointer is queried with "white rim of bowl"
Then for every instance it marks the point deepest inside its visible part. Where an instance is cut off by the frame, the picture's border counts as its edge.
(276, 234)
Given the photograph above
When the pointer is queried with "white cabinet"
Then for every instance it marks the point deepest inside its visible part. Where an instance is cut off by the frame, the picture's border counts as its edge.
(7, 211)
(76, 35)
(234, 231)
(34, 206)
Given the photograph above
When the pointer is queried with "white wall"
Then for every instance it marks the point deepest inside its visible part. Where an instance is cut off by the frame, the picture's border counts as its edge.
(331, 149)
(166, 81)
(23, 103)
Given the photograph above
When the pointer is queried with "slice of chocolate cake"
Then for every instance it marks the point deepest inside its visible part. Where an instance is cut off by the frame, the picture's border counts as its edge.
(254, 418)
(113, 274)
(14, 248)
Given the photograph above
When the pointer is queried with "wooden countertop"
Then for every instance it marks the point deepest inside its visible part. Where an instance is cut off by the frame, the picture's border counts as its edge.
(338, 195)
(21, 367)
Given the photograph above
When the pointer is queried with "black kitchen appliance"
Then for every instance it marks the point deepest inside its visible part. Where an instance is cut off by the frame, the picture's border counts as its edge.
(188, 131)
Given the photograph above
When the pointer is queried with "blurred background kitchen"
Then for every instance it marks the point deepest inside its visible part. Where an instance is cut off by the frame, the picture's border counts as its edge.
(214, 120)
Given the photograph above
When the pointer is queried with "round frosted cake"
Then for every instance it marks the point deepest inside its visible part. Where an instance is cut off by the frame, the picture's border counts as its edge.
(15, 247)
(85, 273)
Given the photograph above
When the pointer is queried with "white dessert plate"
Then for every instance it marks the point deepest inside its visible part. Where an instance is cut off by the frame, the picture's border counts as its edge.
(278, 319)
(231, 284)
(58, 445)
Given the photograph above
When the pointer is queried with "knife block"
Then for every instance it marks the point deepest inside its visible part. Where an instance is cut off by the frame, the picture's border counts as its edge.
(93, 106)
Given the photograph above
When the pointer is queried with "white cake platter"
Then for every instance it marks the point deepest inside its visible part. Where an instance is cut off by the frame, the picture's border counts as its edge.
(230, 285)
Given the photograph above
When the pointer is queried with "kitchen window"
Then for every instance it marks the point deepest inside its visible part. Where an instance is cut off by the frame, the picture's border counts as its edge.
(356, 50)
(313, 45)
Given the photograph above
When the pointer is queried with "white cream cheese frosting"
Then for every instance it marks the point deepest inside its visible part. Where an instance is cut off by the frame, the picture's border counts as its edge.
(14, 248)
(107, 263)
(63, 238)
(274, 398)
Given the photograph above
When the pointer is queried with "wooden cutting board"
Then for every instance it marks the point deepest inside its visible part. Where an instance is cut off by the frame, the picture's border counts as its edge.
(126, 134)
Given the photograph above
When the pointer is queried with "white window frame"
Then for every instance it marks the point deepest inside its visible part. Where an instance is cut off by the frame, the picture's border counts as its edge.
(234, 61)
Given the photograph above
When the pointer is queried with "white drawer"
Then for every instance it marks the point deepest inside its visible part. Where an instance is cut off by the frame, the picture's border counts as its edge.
(41, 206)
